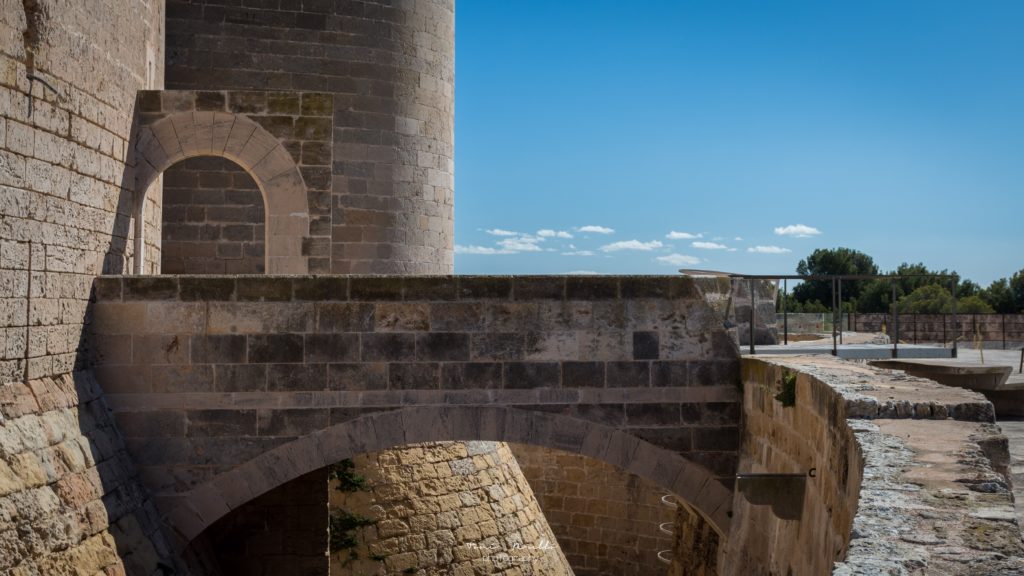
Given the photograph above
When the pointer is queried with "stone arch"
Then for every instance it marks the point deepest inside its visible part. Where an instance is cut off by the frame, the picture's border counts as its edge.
(190, 513)
(236, 137)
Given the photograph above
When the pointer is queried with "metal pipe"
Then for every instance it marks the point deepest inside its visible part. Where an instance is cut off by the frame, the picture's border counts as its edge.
(895, 323)
(840, 310)
(753, 315)
(835, 347)
(785, 313)
(956, 322)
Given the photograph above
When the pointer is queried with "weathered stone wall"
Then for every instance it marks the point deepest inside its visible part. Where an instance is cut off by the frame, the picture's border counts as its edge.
(390, 68)
(209, 375)
(605, 519)
(459, 508)
(65, 189)
(70, 502)
(695, 544)
(281, 532)
(213, 219)
(906, 475)
(731, 297)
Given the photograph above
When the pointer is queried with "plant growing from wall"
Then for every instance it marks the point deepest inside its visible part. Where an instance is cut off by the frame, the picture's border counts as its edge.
(788, 394)
(343, 525)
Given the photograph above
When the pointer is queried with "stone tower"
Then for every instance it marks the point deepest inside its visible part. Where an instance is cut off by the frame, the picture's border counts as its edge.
(383, 202)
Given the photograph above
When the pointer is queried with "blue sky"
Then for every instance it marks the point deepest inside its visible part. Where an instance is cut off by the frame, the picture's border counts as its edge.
(762, 129)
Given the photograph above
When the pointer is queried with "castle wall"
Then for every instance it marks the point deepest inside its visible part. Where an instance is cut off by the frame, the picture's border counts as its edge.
(443, 508)
(390, 69)
(66, 196)
(70, 502)
(69, 73)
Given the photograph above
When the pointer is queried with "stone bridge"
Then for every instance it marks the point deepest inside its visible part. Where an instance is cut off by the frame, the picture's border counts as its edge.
(227, 387)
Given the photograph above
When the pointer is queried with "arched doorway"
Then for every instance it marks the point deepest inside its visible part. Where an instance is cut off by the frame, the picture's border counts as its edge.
(183, 135)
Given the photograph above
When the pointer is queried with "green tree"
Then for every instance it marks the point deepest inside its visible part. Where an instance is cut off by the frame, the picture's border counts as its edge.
(832, 262)
(934, 299)
(1017, 290)
(999, 296)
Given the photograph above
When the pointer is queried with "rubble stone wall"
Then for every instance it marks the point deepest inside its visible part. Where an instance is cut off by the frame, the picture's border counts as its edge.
(460, 508)
(70, 501)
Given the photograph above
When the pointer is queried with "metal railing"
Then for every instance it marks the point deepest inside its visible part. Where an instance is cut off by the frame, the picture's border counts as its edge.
(836, 281)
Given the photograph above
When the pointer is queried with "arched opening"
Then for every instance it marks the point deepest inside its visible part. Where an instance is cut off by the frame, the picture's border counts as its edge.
(213, 219)
(453, 507)
(183, 135)
(190, 513)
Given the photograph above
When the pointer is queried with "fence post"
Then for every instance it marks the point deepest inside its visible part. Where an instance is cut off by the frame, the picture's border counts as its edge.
(752, 316)
(785, 313)
(1004, 331)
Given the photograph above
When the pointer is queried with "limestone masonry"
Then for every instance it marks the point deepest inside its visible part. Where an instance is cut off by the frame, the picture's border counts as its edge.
(231, 342)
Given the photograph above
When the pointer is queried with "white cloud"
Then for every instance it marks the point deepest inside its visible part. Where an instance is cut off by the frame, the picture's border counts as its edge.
(738, 239)
(546, 233)
(595, 229)
(521, 244)
(709, 246)
(579, 253)
(798, 230)
(673, 235)
(768, 250)
(678, 259)
(631, 245)
(583, 273)
(500, 232)
(459, 249)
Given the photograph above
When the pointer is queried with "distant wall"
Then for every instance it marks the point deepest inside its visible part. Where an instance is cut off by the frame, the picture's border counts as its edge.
(605, 519)
(941, 327)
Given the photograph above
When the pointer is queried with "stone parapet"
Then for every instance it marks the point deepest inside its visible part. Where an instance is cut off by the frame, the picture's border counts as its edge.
(907, 474)
(209, 375)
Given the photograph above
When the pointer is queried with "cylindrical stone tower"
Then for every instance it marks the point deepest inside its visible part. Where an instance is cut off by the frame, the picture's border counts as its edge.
(390, 68)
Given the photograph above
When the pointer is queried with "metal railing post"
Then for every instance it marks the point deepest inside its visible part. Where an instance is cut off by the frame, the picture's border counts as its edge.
(956, 323)
(840, 310)
(753, 316)
(835, 348)
(895, 323)
(785, 313)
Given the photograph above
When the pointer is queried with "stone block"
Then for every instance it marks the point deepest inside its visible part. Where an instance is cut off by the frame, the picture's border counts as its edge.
(388, 347)
(275, 348)
(484, 287)
(583, 374)
(413, 376)
(357, 376)
(498, 346)
(224, 423)
(375, 288)
(321, 288)
(652, 414)
(432, 288)
(331, 348)
(240, 377)
(628, 374)
(532, 375)
(645, 346)
(470, 375)
(442, 346)
(218, 349)
(297, 377)
(345, 317)
(591, 288)
(149, 288)
(402, 317)
(257, 289)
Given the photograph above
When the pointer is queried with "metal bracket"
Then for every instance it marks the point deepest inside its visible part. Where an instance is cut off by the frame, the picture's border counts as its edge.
(783, 492)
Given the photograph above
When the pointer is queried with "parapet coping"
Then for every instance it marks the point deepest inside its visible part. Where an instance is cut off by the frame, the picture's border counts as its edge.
(931, 500)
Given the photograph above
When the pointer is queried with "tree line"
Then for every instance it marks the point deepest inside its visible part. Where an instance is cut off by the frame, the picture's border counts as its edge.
(920, 294)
